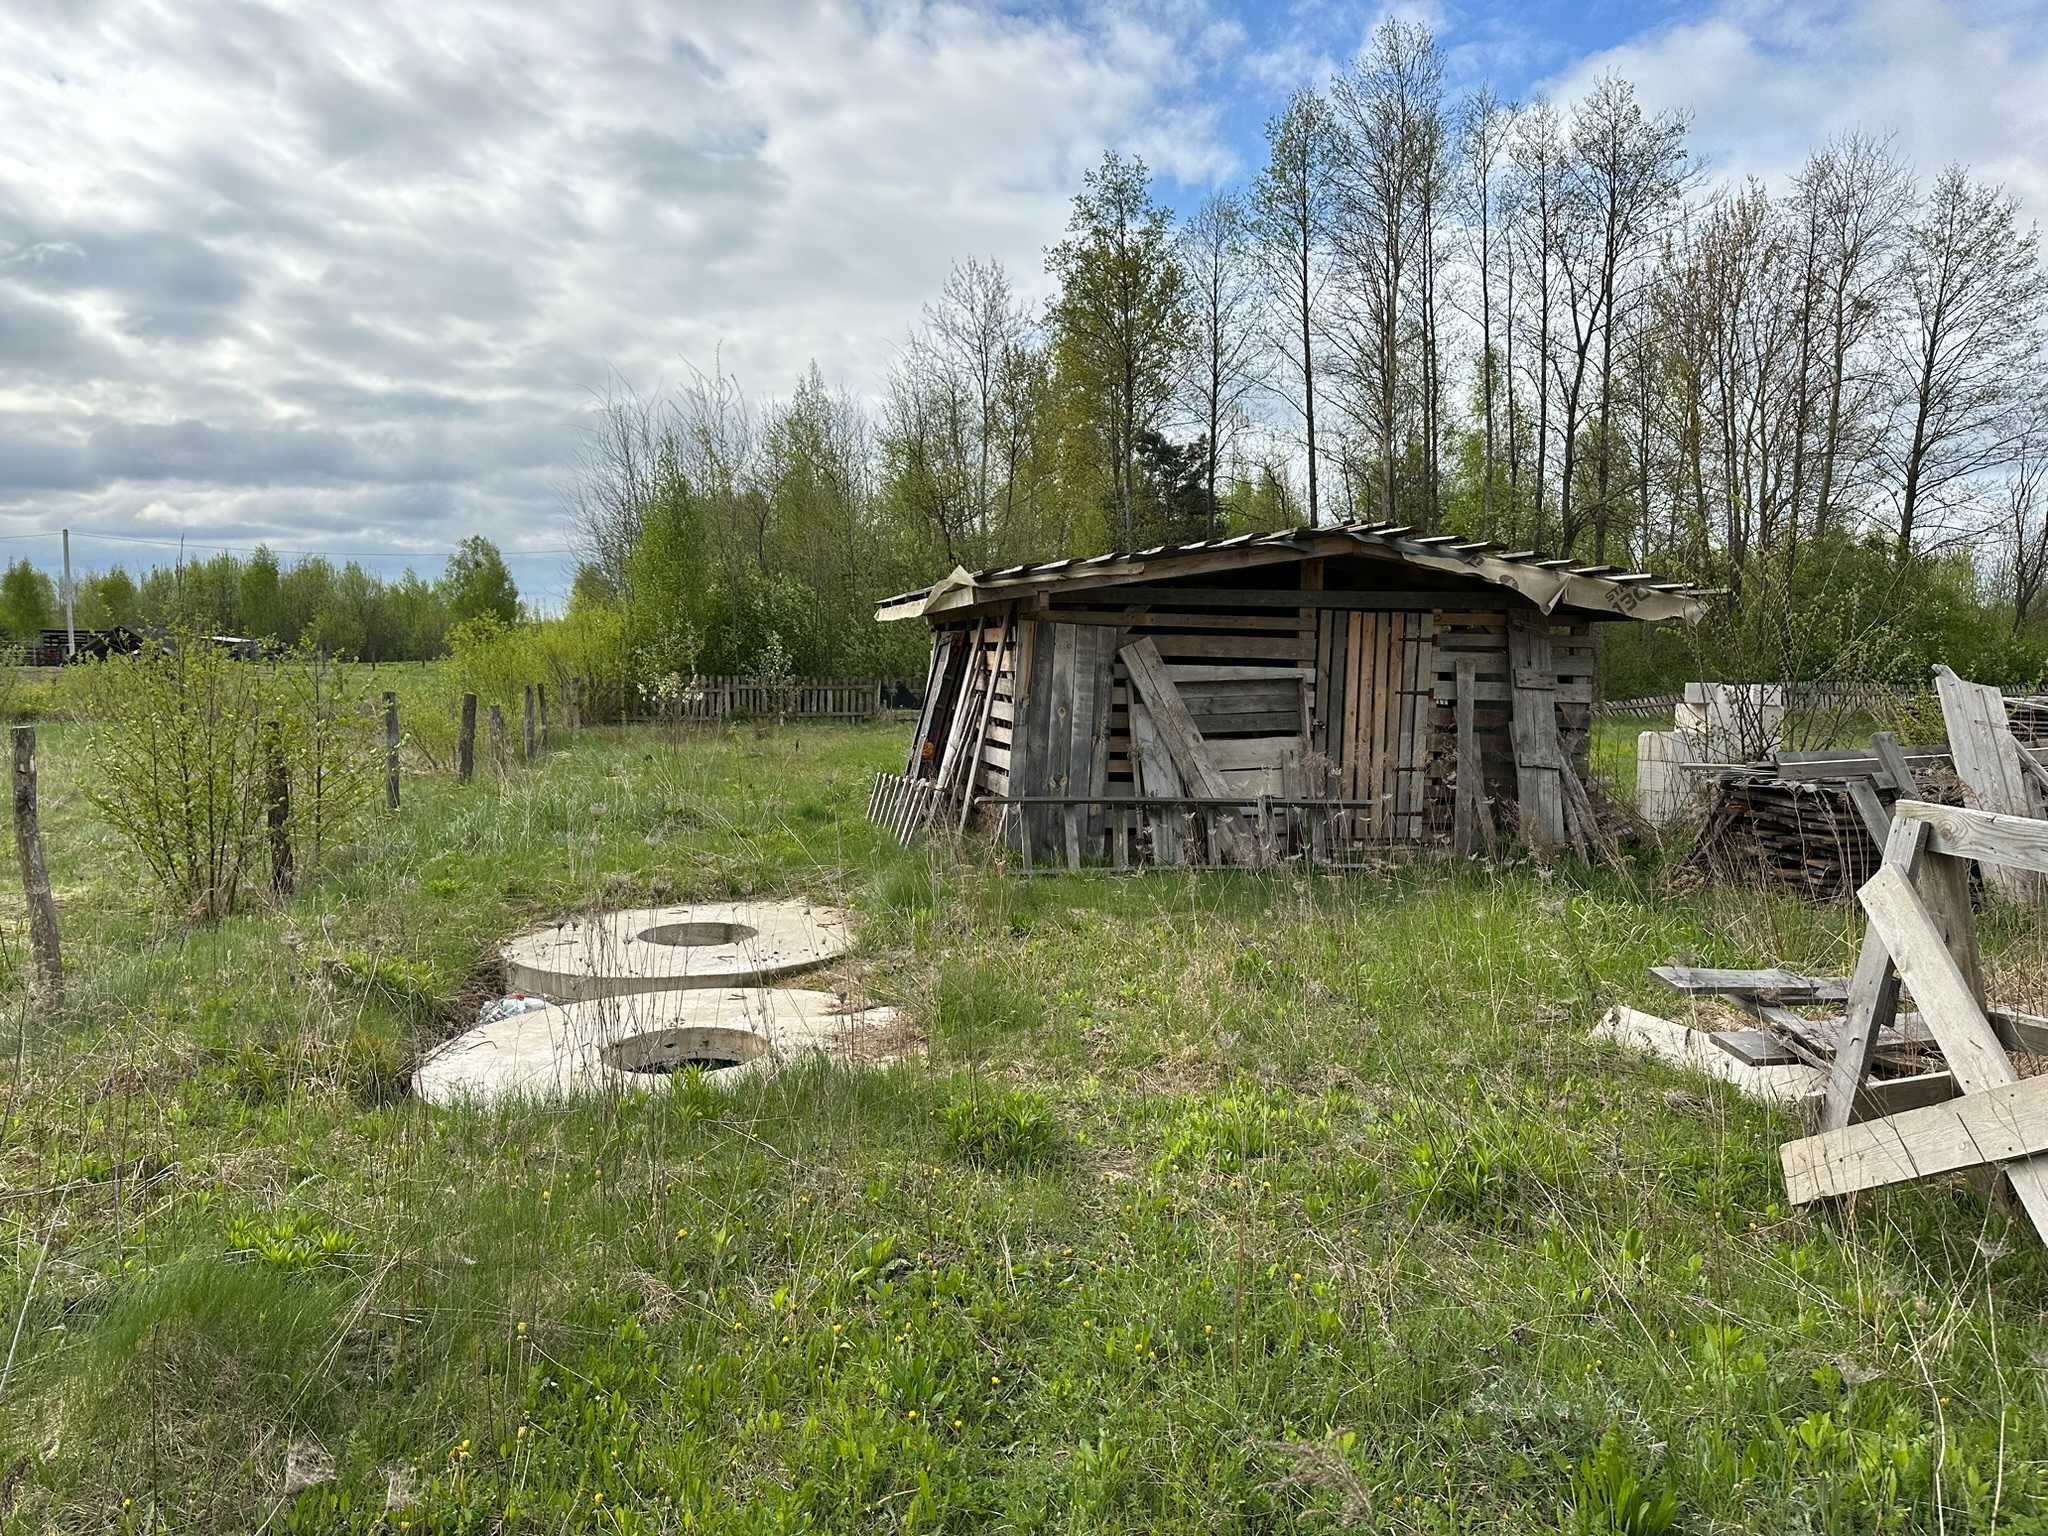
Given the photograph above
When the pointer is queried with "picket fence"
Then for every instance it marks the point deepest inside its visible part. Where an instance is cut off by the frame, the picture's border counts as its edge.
(712, 699)
(1841, 698)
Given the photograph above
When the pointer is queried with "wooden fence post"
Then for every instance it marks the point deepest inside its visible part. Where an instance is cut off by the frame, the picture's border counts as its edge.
(35, 872)
(279, 809)
(391, 750)
(497, 739)
(528, 739)
(465, 742)
(540, 692)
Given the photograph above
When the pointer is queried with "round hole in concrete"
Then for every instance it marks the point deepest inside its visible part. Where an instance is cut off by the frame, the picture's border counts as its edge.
(688, 935)
(707, 1048)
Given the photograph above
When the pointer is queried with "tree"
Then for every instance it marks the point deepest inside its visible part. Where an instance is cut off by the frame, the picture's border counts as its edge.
(1627, 170)
(1968, 345)
(28, 603)
(1224, 302)
(1485, 126)
(1290, 223)
(1120, 320)
(1389, 114)
(262, 596)
(476, 582)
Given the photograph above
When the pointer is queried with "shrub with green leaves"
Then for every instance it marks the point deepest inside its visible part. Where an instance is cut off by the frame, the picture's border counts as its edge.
(181, 757)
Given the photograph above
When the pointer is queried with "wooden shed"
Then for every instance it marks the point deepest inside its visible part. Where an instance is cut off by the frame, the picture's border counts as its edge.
(1240, 699)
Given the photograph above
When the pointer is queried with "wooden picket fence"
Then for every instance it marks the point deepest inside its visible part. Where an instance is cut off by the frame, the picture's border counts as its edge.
(710, 699)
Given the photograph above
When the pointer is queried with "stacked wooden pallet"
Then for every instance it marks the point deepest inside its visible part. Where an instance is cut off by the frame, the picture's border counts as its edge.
(1802, 833)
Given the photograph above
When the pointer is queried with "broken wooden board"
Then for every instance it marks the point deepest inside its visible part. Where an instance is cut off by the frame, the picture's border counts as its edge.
(2000, 1125)
(1987, 761)
(1873, 1001)
(1775, 985)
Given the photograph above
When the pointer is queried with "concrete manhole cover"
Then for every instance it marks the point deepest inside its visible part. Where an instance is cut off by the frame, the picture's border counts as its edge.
(663, 949)
(645, 1042)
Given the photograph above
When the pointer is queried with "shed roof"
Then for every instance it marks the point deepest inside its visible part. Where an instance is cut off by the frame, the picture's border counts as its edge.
(1601, 590)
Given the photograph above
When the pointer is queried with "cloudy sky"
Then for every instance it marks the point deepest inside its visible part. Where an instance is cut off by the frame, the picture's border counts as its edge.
(348, 278)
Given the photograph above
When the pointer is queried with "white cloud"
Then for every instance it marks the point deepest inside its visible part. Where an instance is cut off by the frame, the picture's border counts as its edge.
(351, 275)
(1768, 83)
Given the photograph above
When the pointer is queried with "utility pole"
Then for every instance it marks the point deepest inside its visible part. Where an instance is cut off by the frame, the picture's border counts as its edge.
(70, 619)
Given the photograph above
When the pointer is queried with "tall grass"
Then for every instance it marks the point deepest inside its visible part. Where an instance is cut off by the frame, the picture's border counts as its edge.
(1275, 1204)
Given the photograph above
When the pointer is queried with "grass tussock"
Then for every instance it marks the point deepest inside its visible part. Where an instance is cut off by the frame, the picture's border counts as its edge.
(1231, 1203)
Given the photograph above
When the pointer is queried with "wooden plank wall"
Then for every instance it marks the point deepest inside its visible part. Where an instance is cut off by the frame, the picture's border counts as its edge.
(1278, 694)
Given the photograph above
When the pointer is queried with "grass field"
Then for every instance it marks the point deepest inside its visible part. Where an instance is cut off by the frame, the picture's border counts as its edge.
(1227, 1203)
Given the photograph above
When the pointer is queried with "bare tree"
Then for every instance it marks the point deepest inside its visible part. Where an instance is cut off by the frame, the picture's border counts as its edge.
(1389, 112)
(1224, 299)
(1973, 296)
(1538, 153)
(1852, 197)
(1484, 129)
(1290, 224)
(2026, 530)
(618, 469)
(1628, 169)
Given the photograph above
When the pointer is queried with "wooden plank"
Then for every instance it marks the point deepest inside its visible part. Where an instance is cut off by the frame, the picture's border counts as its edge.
(1877, 821)
(1354, 664)
(2014, 842)
(1978, 728)
(1501, 692)
(1776, 984)
(1533, 726)
(1424, 625)
(1277, 647)
(1873, 992)
(1157, 776)
(2006, 1124)
(1948, 1004)
(1754, 1047)
(1385, 723)
(1468, 816)
(1177, 732)
(1891, 758)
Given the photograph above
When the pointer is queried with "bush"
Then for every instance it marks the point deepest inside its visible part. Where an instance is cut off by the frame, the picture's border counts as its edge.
(181, 752)
(1016, 1130)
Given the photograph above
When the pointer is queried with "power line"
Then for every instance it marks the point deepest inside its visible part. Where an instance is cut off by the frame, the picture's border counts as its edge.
(205, 547)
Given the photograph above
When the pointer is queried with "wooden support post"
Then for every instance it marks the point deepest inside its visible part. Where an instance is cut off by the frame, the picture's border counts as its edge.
(528, 739)
(278, 809)
(391, 750)
(465, 742)
(540, 693)
(1873, 993)
(44, 951)
(498, 747)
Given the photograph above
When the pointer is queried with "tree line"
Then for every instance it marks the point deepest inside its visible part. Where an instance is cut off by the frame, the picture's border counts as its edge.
(343, 610)
(1536, 322)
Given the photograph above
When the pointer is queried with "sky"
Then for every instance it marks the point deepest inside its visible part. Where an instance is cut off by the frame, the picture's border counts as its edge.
(350, 279)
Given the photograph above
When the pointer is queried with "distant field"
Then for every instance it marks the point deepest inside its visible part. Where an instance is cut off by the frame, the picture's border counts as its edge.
(1220, 1203)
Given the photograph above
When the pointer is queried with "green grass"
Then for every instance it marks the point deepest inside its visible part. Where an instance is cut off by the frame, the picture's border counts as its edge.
(1222, 1203)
